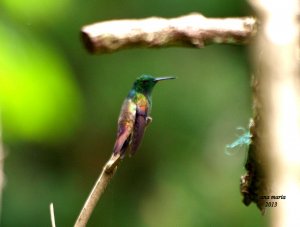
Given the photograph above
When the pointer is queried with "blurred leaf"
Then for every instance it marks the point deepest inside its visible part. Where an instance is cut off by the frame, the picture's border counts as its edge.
(35, 9)
(38, 98)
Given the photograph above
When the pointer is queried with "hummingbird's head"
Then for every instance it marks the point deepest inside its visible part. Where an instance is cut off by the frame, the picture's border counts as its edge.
(145, 83)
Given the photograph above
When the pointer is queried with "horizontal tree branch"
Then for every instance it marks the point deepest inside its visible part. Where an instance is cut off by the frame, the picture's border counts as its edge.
(193, 30)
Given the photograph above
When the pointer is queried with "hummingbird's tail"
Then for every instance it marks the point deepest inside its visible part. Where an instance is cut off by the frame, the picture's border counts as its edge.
(121, 145)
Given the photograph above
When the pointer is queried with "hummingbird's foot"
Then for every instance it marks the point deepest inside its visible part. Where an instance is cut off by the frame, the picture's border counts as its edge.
(112, 163)
(148, 120)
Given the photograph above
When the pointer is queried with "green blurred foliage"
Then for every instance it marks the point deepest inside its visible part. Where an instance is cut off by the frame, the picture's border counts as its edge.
(60, 106)
(35, 85)
(36, 9)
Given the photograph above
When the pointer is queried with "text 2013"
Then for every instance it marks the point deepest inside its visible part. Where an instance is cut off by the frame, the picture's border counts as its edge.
(271, 204)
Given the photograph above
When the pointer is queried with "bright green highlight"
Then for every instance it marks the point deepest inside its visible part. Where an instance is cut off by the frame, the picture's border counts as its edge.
(35, 9)
(38, 98)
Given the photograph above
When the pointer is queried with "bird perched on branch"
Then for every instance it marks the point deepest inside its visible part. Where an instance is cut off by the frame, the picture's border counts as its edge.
(135, 115)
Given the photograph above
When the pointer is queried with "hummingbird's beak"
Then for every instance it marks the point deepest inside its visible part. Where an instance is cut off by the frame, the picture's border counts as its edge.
(164, 78)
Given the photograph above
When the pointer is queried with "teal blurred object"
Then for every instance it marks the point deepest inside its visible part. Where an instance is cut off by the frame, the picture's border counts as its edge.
(243, 140)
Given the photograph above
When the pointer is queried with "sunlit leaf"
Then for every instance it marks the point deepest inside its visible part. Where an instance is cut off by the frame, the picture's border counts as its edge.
(38, 97)
(35, 9)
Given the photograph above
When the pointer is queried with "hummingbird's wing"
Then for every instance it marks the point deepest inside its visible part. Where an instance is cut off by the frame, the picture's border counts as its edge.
(140, 124)
(125, 126)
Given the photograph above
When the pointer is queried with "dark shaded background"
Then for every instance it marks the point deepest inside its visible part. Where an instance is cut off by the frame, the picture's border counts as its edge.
(60, 107)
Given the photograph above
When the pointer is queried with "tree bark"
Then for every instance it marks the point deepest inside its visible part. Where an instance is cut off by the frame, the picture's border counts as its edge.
(277, 108)
(192, 30)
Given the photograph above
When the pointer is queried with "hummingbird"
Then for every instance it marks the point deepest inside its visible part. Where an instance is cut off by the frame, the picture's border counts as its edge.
(135, 115)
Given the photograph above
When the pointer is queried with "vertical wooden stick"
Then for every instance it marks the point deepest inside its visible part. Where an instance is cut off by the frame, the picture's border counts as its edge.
(52, 216)
(106, 175)
(278, 77)
(2, 156)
